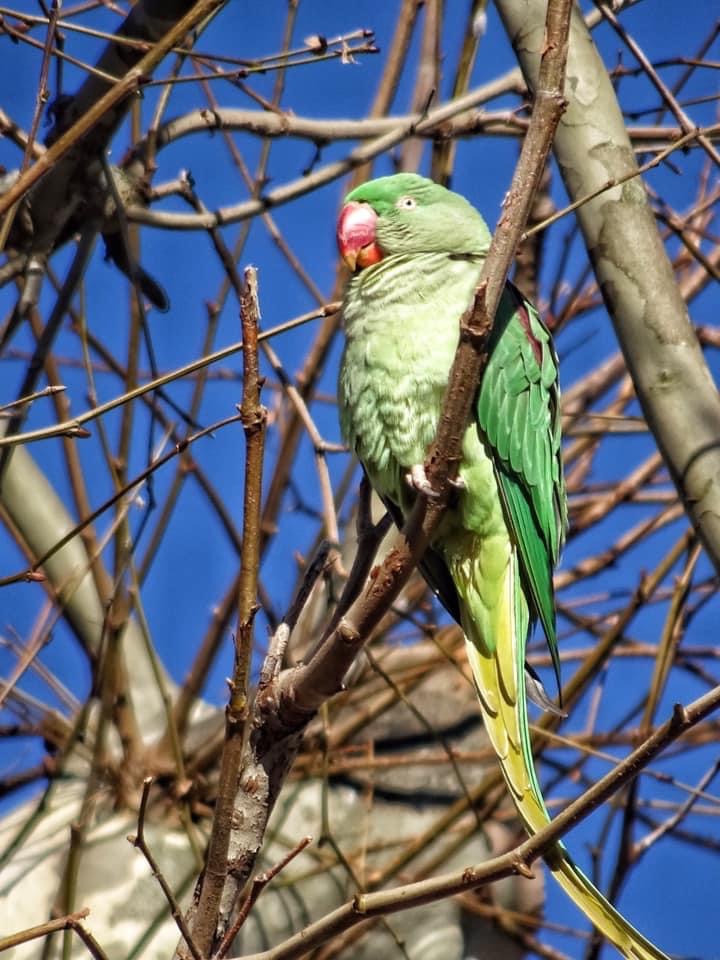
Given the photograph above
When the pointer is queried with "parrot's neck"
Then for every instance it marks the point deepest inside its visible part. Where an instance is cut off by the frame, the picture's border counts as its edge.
(403, 281)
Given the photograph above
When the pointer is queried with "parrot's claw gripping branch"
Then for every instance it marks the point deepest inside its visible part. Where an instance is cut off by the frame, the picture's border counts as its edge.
(416, 478)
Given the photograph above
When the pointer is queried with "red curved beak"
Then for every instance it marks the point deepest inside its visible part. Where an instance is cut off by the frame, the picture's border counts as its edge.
(356, 237)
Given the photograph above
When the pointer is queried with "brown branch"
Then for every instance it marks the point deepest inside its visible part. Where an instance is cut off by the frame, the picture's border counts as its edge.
(257, 887)
(369, 538)
(254, 418)
(445, 130)
(641, 847)
(120, 494)
(43, 929)
(678, 143)
(71, 427)
(652, 75)
(427, 77)
(105, 110)
(48, 160)
(212, 912)
(42, 92)
(305, 184)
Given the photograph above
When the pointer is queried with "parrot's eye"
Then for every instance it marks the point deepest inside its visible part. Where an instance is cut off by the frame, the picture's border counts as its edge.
(406, 203)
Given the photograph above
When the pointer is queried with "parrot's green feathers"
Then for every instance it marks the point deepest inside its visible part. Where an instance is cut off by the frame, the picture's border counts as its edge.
(417, 252)
(518, 398)
(518, 413)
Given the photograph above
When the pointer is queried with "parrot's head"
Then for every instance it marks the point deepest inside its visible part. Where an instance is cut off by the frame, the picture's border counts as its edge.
(406, 215)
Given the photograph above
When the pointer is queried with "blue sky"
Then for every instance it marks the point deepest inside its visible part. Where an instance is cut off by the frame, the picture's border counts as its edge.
(671, 903)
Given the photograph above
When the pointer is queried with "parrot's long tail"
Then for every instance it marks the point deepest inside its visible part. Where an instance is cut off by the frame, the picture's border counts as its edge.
(500, 612)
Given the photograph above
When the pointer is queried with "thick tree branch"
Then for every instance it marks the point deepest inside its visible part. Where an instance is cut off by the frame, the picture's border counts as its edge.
(470, 123)
(414, 126)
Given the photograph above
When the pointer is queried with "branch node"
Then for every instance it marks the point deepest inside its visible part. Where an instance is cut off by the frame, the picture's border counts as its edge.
(523, 869)
(358, 904)
(680, 718)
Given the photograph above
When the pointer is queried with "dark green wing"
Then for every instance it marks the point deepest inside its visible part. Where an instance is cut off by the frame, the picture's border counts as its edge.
(518, 414)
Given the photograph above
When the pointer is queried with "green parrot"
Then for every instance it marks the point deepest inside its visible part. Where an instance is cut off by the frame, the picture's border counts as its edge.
(416, 251)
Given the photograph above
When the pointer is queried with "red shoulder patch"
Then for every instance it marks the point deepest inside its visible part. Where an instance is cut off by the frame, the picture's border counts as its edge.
(524, 317)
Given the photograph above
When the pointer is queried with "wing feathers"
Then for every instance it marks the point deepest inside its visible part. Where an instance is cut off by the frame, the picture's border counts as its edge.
(517, 413)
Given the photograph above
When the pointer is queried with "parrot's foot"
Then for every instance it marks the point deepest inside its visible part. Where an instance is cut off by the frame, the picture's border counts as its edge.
(457, 483)
(417, 480)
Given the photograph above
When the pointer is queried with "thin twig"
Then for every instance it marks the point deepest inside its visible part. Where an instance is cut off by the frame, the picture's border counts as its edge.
(139, 842)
